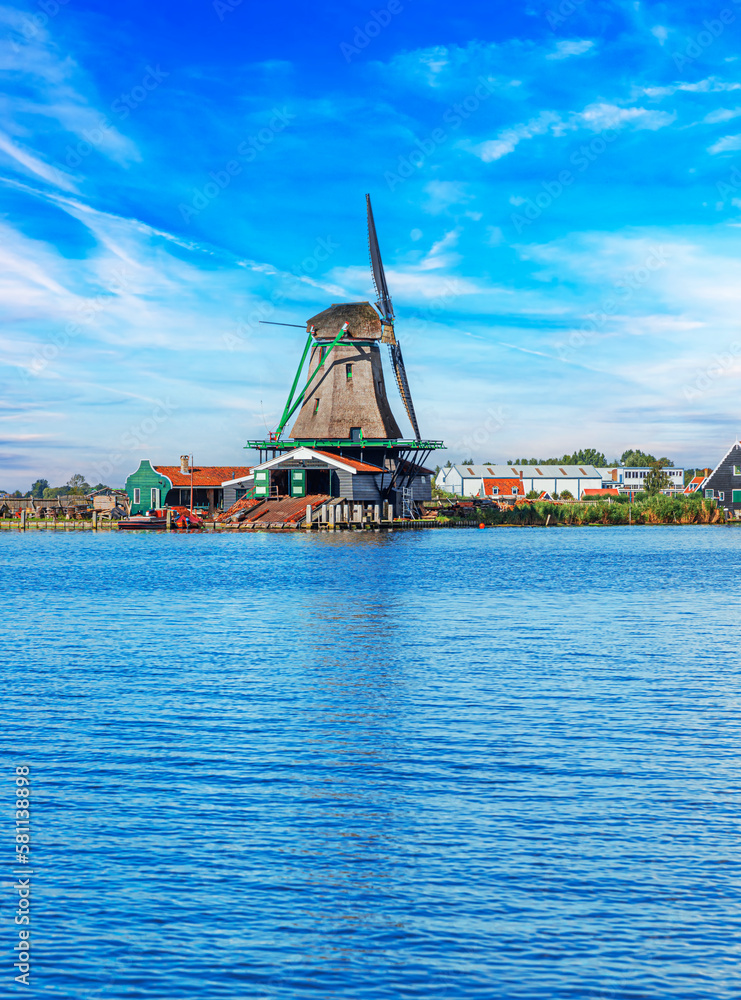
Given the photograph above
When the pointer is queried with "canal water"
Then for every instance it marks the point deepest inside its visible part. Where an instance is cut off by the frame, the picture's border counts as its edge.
(444, 764)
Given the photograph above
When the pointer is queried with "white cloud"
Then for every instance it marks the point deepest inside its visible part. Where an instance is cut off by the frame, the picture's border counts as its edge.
(726, 145)
(659, 32)
(508, 139)
(596, 117)
(709, 86)
(55, 90)
(721, 115)
(602, 116)
(33, 165)
(565, 49)
(438, 256)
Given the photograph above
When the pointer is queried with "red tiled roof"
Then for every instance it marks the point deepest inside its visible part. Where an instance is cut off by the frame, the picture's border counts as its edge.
(203, 475)
(353, 463)
(504, 486)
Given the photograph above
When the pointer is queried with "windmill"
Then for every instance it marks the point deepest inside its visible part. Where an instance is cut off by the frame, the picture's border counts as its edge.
(339, 405)
(386, 309)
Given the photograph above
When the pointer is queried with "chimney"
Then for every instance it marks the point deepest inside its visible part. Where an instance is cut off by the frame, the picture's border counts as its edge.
(184, 465)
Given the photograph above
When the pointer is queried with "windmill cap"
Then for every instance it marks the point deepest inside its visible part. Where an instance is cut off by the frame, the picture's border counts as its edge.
(363, 322)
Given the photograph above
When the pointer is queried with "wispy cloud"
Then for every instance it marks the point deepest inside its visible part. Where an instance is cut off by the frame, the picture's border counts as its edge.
(566, 49)
(728, 144)
(31, 164)
(595, 117)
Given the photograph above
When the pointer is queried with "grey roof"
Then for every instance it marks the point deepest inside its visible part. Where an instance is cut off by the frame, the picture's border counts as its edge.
(528, 471)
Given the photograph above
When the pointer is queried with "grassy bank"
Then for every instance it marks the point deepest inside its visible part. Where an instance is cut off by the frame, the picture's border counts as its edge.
(650, 510)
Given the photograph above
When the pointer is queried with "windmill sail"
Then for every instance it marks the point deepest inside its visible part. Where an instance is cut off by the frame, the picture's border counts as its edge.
(401, 380)
(379, 278)
(386, 309)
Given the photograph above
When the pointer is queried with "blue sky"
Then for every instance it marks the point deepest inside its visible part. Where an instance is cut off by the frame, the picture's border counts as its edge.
(557, 191)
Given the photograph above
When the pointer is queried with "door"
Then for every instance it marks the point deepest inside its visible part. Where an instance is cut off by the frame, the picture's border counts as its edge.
(155, 494)
(262, 484)
(298, 482)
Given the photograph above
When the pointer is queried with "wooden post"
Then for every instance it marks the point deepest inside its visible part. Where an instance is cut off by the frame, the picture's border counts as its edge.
(332, 511)
(23, 519)
(168, 519)
(377, 513)
(94, 520)
(307, 522)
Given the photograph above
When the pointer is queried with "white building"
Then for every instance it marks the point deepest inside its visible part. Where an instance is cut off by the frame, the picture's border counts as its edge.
(633, 479)
(469, 480)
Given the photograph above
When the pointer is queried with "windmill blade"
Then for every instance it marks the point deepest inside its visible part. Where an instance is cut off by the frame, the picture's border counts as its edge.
(403, 383)
(387, 311)
(379, 278)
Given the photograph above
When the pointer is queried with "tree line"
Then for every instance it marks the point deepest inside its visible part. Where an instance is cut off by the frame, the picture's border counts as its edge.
(76, 485)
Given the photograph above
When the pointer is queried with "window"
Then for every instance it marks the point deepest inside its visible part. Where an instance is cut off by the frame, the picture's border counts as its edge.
(736, 496)
(495, 491)
(356, 433)
(137, 495)
(515, 491)
(737, 470)
(155, 497)
(709, 494)
(316, 405)
(721, 495)
(348, 372)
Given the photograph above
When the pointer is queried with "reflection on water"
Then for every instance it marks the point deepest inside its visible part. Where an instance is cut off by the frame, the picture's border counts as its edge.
(431, 764)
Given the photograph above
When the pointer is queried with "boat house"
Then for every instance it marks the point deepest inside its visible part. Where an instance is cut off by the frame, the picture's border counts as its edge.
(307, 471)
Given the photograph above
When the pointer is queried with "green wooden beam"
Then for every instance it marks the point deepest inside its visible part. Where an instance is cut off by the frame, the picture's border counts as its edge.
(287, 416)
(287, 407)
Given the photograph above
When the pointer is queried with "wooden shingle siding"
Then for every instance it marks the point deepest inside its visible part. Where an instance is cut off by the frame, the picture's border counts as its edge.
(344, 483)
(422, 488)
(230, 496)
(723, 480)
(364, 487)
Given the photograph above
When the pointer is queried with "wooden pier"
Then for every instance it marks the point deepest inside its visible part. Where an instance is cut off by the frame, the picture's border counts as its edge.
(329, 515)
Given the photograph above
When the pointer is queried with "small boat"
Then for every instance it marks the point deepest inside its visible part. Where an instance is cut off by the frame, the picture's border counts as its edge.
(156, 520)
(153, 520)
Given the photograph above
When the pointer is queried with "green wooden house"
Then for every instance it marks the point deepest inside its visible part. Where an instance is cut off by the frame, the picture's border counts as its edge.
(147, 488)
